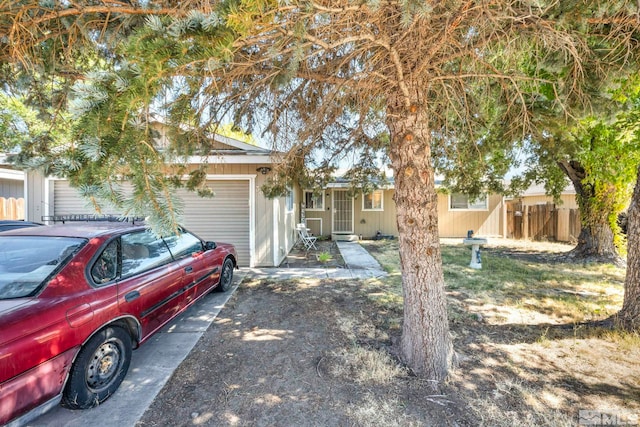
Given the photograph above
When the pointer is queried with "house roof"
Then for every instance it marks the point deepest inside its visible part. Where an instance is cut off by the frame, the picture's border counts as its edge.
(342, 182)
(538, 190)
(225, 150)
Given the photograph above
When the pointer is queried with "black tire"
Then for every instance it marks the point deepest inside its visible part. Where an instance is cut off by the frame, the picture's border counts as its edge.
(226, 276)
(99, 369)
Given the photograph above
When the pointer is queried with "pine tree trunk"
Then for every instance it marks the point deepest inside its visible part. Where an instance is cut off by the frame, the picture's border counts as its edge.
(425, 344)
(596, 239)
(629, 316)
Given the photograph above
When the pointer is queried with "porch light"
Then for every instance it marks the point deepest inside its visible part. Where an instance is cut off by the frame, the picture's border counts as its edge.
(264, 170)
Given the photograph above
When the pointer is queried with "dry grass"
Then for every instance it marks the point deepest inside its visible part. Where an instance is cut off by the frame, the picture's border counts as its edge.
(521, 330)
(374, 412)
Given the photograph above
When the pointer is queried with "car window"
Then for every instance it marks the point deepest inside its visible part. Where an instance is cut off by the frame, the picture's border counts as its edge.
(105, 268)
(26, 262)
(184, 244)
(142, 251)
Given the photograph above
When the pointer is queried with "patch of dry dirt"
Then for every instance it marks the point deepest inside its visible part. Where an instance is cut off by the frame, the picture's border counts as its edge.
(319, 353)
(304, 354)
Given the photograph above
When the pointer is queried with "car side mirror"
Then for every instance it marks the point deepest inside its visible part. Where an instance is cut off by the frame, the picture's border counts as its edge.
(210, 245)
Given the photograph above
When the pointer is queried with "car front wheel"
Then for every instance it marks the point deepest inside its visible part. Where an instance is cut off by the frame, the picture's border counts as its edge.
(226, 277)
(99, 369)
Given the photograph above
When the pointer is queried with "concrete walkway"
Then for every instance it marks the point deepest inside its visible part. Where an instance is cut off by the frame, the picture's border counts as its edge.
(360, 265)
(153, 364)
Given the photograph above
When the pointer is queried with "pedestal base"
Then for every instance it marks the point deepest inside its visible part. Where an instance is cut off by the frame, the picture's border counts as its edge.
(475, 242)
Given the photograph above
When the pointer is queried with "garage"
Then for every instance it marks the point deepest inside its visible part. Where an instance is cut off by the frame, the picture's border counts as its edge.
(226, 217)
(222, 218)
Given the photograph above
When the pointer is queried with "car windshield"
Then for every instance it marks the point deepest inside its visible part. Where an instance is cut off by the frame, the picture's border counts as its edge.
(27, 262)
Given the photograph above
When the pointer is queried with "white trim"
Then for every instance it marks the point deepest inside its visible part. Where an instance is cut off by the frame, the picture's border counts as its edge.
(339, 185)
(467, 209)
(333, 211)
(304, 201)
(252, 208)
(26, 195)
(48, 193)
(316, 219)
(236, 143)
(381, 208)
(215, 136)
(230, 159)
(276, 232)
(12, 174)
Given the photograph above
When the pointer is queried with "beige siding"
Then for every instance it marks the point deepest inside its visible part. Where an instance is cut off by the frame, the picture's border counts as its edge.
(456, 223)
(568, 201)
(319, 221)
(451, 223)
(368, 223)
(365, 223)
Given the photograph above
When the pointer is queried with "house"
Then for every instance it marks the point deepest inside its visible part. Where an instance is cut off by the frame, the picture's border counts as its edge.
(12, 191)
(335, 212)
(262, 229)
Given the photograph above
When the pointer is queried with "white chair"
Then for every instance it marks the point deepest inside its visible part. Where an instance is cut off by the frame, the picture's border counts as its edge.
(307, 240)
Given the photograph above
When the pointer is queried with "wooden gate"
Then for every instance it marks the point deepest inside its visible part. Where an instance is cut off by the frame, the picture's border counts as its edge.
(574, 224)
(543, 222)
(515, 229)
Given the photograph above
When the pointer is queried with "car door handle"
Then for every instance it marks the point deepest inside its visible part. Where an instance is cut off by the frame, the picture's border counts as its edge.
(188, 269)
(131, 296)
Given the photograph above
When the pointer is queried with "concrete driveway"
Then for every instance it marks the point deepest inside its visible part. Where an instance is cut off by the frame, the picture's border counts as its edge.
(151, 366)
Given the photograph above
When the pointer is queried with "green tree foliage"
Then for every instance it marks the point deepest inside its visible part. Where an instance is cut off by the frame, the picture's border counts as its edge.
(629, 129)
(419, 80)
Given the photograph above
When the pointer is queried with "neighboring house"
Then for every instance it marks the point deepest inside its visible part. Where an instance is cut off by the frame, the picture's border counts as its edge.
(263, 230)
(334, 212)
(12, 192)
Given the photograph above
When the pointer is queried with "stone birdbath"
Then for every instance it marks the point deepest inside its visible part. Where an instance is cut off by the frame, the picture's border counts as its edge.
(475, 243)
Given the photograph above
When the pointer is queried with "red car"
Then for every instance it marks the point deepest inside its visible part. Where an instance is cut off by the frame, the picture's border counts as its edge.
(75, 299)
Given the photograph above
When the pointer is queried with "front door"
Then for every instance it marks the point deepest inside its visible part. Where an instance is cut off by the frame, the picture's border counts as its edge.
(342, 212)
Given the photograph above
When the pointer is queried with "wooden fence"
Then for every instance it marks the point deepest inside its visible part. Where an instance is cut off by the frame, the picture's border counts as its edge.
(542, 222)
(11, 208)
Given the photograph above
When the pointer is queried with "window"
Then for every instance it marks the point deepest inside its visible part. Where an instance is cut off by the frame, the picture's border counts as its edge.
(289, 200)
(105, 269)
(24, 269)
(459, 201)
(142, 251)
(373, 201)
(186, 244)
(313, 202)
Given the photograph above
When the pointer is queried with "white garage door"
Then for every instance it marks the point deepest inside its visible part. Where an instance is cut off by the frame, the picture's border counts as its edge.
(222, 218)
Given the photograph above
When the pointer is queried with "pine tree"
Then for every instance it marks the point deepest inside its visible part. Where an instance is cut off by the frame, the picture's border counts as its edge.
(329, 78)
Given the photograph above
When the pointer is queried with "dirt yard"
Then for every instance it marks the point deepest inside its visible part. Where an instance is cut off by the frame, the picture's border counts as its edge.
(322, 353)
(299, 354)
